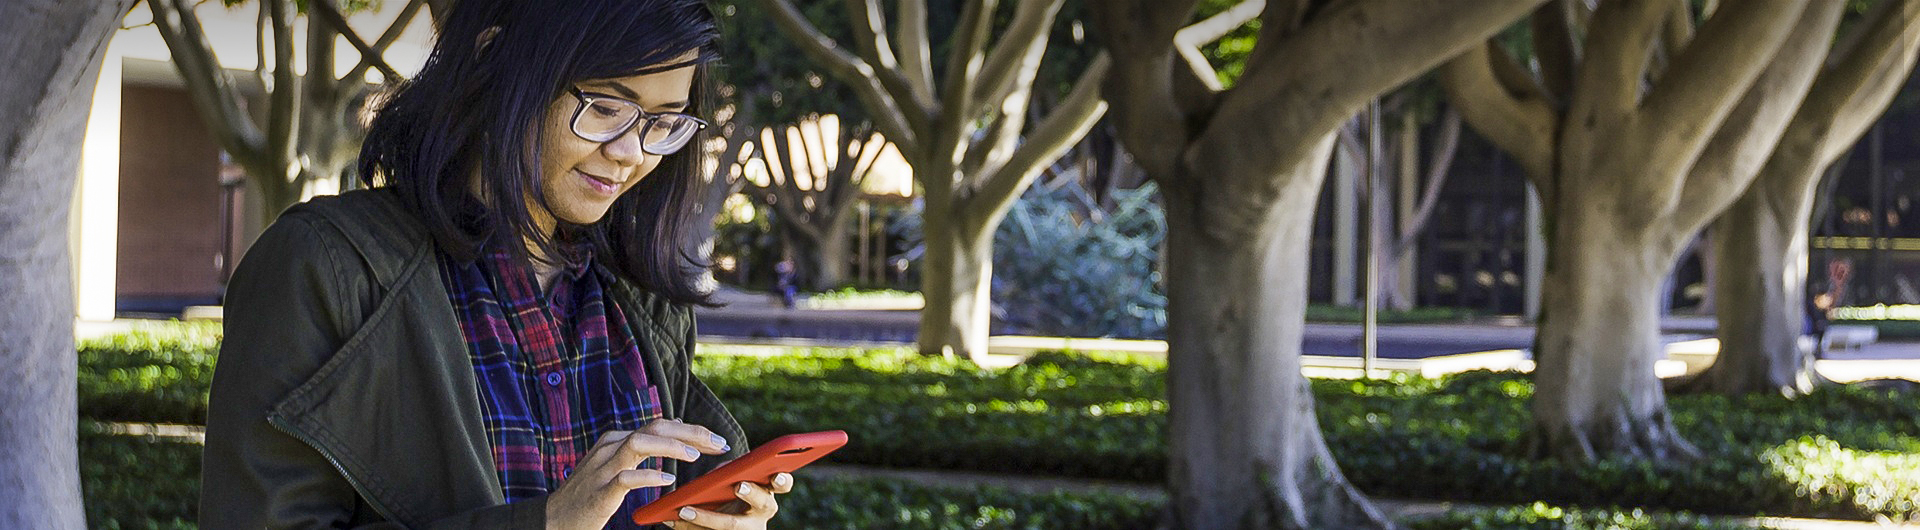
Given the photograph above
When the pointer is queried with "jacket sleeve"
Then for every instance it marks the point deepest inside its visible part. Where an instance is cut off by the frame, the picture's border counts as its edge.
(290, 304)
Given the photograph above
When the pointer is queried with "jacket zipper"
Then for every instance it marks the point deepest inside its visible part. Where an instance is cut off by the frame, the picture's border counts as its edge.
(357, 487)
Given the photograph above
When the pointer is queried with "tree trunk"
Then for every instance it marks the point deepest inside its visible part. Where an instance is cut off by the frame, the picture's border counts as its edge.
(1762, 300)
(54, 51)
(1598, 340)
(833, 252)
(1245, 448)
(956, 280)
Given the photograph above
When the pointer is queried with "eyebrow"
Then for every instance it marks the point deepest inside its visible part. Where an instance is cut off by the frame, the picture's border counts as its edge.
(630, 95)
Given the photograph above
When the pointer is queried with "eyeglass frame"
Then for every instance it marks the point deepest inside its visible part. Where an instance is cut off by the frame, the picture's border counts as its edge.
(586, 99)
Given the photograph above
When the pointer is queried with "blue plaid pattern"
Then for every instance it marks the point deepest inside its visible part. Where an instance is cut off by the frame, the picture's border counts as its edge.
(555, 370)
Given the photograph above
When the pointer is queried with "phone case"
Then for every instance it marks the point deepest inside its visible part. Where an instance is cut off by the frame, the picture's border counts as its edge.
(780, 455)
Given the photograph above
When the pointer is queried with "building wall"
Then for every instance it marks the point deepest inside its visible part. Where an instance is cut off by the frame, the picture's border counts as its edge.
(170, 212)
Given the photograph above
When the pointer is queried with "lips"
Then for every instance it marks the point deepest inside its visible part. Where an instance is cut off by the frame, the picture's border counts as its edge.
(602, 185)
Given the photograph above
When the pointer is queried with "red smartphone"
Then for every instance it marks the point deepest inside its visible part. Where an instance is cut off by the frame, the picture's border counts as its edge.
(780, 455)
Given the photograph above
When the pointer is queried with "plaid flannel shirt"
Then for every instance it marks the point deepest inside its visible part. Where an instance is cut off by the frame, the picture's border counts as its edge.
(553, 373)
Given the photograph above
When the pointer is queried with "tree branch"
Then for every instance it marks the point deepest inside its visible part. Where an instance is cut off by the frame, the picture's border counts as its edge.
(1139, 36)
(1016, 54)
(916, 48)
(1286, 96)
(1745, 140)
(1613, 68)
(1677, 34)
(1220, 24)
(1522, 124)
(896, 121)
(1438, 167)
(357, 76)
(368, 53)
(283, 104)
(963, 71)
(208, 85)
(1555, 50)
(1684, 108)
(869, 33)
(1054, 135)
(1852, 94)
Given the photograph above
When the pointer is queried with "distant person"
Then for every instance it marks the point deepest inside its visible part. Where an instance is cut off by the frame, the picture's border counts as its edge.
(500, 335)
(1818, 309)
(783, 281)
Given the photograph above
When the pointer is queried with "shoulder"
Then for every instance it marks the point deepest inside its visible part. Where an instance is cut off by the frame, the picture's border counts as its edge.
(666, 316)
(372, 225)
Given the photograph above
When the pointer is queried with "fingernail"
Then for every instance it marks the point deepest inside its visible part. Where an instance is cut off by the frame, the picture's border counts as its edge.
(668, 523)
(687, 513)
(692, 454)
(783, 479)
(744, 489)
(720, 442)
(668, 476)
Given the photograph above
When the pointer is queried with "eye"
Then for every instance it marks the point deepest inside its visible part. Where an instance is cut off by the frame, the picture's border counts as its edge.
(605, 110)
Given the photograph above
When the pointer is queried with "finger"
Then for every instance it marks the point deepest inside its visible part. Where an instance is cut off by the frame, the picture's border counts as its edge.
(639, 446)
(691, 434)
(760, 502)
(603, 448)
(691, 517)
(783, 483)
(633, 479)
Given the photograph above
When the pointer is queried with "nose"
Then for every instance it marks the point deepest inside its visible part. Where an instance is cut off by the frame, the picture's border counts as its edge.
(625, 150)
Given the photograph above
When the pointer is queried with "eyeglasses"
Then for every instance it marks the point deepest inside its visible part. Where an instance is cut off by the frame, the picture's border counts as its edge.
(602, 118)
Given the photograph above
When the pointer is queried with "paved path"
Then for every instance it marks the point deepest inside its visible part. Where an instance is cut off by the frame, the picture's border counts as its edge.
(1395, 508)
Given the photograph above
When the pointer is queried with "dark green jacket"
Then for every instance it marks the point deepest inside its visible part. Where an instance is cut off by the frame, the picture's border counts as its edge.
(344, 395)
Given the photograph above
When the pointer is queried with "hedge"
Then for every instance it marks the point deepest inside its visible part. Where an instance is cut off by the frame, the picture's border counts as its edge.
(1843, 452)
(135, 482)
(155, 373)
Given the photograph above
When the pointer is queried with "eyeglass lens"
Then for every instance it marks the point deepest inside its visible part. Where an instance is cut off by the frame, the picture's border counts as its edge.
(602, 120)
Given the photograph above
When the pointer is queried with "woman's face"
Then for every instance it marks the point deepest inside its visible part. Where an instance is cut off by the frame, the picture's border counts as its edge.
(581, 178)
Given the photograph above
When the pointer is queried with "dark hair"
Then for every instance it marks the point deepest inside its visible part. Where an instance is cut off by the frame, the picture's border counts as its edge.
(482, 104)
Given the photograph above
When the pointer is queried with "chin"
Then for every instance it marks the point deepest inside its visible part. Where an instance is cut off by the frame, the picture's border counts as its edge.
(583, 217)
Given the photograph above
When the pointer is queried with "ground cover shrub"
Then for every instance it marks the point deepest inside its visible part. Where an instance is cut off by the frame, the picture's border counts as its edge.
(1540, 516)
(137, 481)
(1841, 452)
(1846, 452)
(156, 373)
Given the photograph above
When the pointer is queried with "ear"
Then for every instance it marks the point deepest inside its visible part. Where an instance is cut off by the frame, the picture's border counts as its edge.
(486, 37)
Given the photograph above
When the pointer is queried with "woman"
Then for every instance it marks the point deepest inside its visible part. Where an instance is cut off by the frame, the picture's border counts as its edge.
(497, 333)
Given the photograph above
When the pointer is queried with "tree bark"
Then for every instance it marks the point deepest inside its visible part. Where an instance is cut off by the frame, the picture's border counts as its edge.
(1761, 240)
(1599, 338)
(1628, 171)
(1761, 299)
(54, 51)
(1246, 449)
(956, 280)
(834, 250)
(1240, 170)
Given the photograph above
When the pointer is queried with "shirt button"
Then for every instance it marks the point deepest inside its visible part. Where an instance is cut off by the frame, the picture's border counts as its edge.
(553, 378)
(568, 472)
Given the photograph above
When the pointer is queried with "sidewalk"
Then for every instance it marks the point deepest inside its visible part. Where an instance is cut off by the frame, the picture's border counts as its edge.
(1394, 508)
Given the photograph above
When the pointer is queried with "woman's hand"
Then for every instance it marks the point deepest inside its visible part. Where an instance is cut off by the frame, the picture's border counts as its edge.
(759, 507)
(600, 481)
